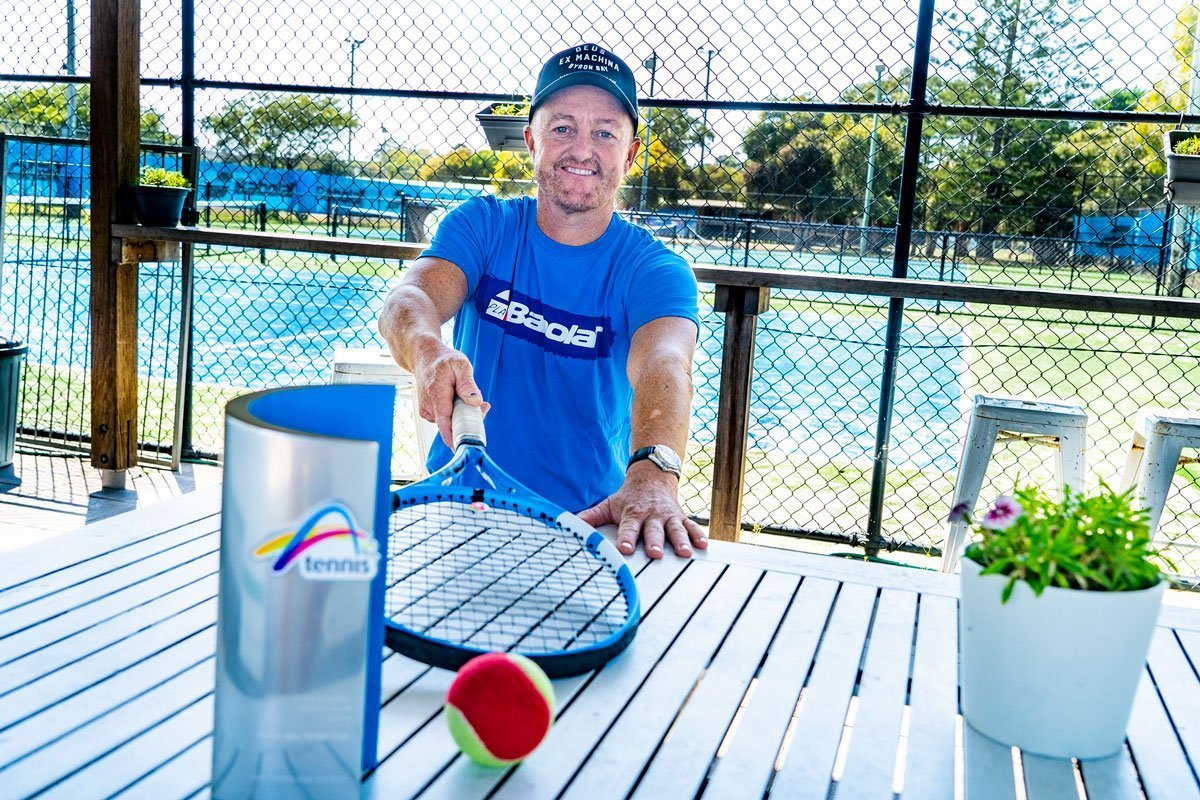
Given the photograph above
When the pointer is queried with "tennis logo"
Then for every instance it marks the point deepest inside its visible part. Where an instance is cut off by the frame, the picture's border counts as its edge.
(326, 546)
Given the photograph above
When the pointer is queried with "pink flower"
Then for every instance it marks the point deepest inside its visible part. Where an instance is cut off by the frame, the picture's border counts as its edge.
(959, 513)
(1002, 513)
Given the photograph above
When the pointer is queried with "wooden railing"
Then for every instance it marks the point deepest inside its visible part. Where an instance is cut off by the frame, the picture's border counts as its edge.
(740, 294)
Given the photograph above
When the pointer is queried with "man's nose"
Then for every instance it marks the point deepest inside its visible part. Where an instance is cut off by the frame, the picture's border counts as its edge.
(581, 148)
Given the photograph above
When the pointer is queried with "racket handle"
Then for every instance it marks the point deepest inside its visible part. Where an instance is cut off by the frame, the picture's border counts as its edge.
(467, 424)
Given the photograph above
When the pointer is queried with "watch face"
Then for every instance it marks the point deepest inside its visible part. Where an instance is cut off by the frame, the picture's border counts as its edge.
(666, 459)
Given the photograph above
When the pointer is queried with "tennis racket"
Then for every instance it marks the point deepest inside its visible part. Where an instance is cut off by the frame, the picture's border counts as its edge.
(478, 563)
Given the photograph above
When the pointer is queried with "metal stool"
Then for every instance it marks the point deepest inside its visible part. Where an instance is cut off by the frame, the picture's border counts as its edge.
(376, 365)
(1054, 421)
(1159, 436)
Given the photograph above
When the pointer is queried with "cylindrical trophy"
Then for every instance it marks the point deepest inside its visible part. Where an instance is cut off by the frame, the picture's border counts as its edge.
(300, 608)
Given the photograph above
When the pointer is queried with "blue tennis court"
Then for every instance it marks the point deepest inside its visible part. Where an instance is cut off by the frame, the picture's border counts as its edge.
(817, 376)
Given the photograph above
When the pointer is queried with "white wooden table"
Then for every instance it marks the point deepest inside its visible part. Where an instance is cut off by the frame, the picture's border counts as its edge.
(755, 672)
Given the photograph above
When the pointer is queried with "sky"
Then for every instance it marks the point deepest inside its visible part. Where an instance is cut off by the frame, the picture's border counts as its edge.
(761, 50)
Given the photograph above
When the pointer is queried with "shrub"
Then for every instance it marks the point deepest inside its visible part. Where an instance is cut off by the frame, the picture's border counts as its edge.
(157, 176)
(1188, 147)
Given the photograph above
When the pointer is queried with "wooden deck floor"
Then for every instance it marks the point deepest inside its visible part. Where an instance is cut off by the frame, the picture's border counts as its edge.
(44, 495)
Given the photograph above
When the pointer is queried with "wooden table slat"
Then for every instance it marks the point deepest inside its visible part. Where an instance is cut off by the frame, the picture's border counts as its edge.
(1180, 690)
(933, 703)
(846, 570)
(108, 607)
(110, 585)
(988, 766)
(126, 561)
(620, 757)
(83, 748)
(99, 539)
(432, 749)
(138, 757)
(595, 708)
(94, 638)
(1160, 759)
(808, 765)
(185, 776)
(681, 763)
(77, 676)
(57, 719)
(748, 765)
(1111, 778)
(881, 696)
(1048, 778)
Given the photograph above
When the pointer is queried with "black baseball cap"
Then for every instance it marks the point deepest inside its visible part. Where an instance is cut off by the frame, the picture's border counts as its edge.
(588, 65)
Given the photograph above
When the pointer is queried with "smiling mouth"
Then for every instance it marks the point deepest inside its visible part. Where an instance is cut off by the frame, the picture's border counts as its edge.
(579, 171)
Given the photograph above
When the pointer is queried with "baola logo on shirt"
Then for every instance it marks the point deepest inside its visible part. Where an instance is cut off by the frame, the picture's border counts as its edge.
(550, 328)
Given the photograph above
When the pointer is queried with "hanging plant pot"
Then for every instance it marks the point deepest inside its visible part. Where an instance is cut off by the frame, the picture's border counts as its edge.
(159, 206)
(1182, 184)
(503, 131)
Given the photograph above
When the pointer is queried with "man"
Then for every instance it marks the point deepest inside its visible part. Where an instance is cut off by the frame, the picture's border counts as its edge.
(573, 329)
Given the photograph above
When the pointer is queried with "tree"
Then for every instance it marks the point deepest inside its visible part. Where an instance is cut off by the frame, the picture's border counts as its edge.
(460, 164)
(665, 180)
(800, 179)
(46, 111)
(396, 163)
(1003, 174)
(512, 174)
(282, 131)
(677, 130)
(774, 130)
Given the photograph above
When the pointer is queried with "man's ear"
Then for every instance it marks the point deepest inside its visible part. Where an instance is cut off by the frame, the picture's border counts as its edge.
(529, 144)
(634, 148)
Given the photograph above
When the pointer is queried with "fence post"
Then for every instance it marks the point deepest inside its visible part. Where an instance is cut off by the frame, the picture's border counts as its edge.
(907, 205)
(741, 306)
(3, 204)
(262, 226)
(115, 154)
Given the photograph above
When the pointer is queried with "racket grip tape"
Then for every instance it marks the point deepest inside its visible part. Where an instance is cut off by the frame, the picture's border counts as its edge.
(467, 424)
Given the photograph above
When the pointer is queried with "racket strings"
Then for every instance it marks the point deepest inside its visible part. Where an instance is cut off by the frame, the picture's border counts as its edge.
(494, 579)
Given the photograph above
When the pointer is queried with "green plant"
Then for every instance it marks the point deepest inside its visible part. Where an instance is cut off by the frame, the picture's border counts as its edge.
(1188, 147)
(512, 109)
(1098, 543)
(157, 176)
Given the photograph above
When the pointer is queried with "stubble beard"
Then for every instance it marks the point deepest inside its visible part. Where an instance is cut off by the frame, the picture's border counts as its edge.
(550, 187)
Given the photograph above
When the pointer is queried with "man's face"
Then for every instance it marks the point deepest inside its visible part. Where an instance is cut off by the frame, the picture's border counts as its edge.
(582, 143)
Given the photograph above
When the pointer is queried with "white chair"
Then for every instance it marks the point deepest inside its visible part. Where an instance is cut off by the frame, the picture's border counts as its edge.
(412, 436)
(1054, 422)
(1159, 436)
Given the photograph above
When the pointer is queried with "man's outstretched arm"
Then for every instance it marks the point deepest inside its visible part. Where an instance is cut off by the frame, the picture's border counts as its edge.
(647, 504)
(430, 293)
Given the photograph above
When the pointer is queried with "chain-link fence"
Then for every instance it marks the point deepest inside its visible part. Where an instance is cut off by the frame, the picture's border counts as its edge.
(779, 142)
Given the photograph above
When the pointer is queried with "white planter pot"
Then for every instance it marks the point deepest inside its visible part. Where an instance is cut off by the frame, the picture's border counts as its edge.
(1054, 675)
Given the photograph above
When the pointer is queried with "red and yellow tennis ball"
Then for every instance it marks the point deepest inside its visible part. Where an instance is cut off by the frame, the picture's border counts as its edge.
(499, 708)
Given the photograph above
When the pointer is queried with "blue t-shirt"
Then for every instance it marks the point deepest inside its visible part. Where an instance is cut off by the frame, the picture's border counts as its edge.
(547, 327)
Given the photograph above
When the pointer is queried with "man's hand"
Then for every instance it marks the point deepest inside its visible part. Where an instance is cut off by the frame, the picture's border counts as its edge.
(442, 374)
(647, 507)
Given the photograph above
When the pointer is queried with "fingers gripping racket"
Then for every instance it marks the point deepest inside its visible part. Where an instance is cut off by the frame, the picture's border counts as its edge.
(479, 563)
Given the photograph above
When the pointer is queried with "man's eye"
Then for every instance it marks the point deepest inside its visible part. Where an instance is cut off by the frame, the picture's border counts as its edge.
(605, 134)
(561, 129)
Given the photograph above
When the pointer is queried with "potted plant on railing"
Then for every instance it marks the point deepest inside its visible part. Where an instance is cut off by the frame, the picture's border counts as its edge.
(1059, 602)
(504, 125)
(159, 197)
(1182, 150)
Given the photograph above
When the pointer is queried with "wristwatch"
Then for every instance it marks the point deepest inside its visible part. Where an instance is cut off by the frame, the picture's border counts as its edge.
(660, 456)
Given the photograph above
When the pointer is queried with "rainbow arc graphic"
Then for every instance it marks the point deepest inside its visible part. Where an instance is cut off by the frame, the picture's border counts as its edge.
(328, 522)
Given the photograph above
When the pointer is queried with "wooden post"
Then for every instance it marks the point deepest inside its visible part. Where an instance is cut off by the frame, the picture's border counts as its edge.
(741, 306)
(115, 117)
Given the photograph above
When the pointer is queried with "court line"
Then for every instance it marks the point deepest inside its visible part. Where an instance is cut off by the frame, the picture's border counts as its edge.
(236, 346)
